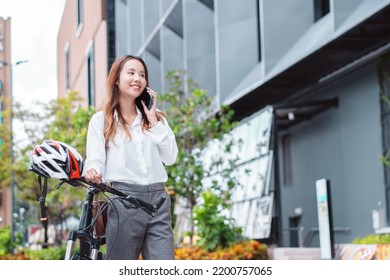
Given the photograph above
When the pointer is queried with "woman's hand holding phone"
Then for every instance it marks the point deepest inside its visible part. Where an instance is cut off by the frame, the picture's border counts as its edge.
(150, 102)
(150, 106)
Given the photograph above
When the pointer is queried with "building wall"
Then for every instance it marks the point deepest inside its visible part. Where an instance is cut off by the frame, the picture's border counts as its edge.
(80, 39)
(5, 58)
(343, 145)
(292, 19)
(244, 51)
(101, 68)
(5, 92)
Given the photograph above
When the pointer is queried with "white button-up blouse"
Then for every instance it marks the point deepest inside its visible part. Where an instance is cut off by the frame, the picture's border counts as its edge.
(139, 160)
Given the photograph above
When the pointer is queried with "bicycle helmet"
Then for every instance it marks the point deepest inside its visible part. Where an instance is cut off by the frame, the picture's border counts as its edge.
(54, 159)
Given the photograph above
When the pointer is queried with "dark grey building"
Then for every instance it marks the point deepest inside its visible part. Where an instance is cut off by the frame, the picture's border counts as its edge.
(306, 79)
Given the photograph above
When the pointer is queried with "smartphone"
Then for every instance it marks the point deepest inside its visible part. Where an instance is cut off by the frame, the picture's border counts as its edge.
(146, 98)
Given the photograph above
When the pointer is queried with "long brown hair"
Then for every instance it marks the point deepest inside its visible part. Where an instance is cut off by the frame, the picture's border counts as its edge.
(112, 100)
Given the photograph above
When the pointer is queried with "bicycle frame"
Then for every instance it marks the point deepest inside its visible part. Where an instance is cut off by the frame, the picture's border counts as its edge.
(89, 243)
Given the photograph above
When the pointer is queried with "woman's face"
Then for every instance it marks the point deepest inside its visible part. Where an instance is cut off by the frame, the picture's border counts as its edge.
(132, 80)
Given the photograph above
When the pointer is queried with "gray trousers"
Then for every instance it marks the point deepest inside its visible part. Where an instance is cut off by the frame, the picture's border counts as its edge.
(131, 231)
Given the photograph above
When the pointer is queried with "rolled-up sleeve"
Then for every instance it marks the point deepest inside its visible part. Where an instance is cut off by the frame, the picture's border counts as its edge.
(95, 150)
(163, 136)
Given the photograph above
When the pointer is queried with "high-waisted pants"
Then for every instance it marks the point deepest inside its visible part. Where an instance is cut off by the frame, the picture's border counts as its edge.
(131, 231)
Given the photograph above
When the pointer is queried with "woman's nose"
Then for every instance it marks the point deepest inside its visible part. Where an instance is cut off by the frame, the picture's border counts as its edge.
(136, 77)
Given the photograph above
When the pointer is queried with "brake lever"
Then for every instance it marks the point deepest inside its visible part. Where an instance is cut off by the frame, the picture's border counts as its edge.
(149, 208)
(160, 203)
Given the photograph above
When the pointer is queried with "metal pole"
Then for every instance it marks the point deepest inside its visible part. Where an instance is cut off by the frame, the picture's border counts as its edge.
(300, 237)
(12, 154)
(12, 186)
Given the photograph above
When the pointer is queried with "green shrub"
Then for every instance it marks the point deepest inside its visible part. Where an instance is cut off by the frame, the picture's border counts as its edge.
(373, 239)
(51, 253)
(5, 240)
(214, 229)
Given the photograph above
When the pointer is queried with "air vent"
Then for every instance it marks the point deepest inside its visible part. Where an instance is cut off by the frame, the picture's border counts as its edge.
(287, 170)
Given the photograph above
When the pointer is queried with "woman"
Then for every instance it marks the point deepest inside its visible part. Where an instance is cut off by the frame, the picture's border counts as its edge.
(128, 146)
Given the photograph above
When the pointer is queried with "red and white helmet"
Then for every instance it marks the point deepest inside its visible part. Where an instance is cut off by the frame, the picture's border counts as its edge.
(54, 159)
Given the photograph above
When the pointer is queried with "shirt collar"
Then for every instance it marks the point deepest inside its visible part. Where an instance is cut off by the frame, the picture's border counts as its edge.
(137, 120)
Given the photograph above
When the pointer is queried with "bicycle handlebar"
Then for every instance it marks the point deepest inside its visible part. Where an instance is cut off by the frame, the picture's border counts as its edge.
(151, 209)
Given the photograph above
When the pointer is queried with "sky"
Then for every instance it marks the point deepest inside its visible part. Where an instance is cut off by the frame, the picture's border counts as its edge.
(34, 29)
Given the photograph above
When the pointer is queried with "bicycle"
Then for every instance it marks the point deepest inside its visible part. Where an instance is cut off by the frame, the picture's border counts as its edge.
(54, 159)
(90, 242)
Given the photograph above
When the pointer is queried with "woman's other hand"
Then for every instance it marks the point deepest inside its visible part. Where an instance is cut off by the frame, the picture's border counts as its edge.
(91, 175)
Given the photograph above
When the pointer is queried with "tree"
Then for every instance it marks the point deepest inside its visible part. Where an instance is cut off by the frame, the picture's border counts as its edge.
(58, 120)
(197, 121)
(5, 145)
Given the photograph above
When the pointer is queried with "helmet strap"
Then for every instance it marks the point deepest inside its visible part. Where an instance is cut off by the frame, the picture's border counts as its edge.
(42, 198)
